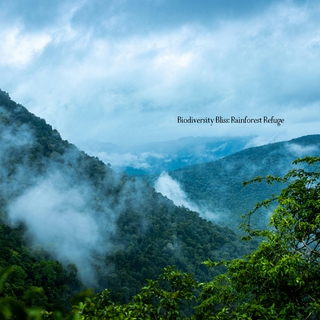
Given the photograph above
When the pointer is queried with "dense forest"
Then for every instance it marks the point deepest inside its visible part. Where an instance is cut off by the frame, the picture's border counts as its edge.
(68, 221)
(216, 186)
(278, 280)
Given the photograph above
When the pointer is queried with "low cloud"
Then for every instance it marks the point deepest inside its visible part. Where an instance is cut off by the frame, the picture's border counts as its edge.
(173, 191)
(300, 150)
(136, 160)
(58, 209)
(60, 217)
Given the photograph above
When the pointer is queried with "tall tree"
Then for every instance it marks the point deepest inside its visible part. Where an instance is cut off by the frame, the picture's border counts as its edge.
(280, 280)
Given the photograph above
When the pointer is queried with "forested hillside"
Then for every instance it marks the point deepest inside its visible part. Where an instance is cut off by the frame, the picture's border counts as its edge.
(65, 213)
(216, 186)
(278, 280)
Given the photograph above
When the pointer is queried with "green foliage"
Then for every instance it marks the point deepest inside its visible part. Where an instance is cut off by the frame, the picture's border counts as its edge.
(159, 299)
(280, 280)
(11, 308)
(30, 281)
(175, 236)
(217, 185)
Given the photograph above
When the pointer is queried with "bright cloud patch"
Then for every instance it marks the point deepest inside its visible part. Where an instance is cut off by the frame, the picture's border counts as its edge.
(18, 48)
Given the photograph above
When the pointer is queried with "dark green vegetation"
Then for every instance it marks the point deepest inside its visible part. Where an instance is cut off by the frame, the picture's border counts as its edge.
(217, 186)
(58, 283)
(279, 280)
(127, 232)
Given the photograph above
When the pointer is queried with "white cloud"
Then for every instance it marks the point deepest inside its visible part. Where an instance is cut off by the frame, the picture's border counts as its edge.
(93, 83)
(300, 151)
(172, 190)
(59, 216)
(19, 49)
(138, 161)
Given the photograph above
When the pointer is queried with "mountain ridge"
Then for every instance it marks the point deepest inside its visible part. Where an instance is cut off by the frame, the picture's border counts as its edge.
(74, 208)
(153, 158)
(217, 185)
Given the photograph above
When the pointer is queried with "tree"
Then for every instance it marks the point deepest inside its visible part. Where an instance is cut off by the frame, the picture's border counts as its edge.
(165, 298)
(281, 279)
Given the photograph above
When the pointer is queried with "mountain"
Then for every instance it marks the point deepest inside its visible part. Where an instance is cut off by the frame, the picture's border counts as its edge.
(71, 214)
(216, 187)
(153, 158)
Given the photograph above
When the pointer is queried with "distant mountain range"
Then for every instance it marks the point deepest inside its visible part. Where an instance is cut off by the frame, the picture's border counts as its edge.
(209, 172)
(215, 187)
(153, 158)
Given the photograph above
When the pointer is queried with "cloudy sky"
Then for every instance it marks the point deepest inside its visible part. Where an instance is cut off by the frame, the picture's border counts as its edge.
(122, 71)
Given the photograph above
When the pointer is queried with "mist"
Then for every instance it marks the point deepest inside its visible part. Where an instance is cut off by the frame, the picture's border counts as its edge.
(171, 188)
(59, 210)
(60, 218)
(301, 151)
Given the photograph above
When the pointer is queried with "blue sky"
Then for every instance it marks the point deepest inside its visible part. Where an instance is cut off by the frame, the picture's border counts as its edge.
(122, 71)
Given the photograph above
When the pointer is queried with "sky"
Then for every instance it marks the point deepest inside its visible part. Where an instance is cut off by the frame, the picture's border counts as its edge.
(123, 71)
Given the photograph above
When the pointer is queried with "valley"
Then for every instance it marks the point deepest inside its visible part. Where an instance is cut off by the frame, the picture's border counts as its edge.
(69, 222)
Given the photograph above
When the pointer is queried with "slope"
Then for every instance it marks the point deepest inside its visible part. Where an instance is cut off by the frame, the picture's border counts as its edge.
(117, 230)
(217, 185)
